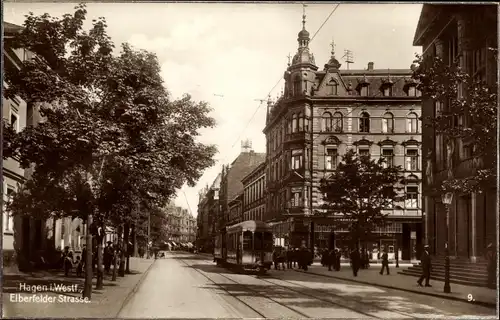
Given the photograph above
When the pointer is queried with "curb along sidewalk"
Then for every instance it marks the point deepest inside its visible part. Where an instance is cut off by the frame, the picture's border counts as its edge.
(482, 296)
(105, 303)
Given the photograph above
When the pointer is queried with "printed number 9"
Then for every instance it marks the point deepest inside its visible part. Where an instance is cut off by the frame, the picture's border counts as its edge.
(470, 298)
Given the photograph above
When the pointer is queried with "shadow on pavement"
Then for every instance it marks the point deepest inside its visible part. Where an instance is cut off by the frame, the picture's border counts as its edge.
(366, 303)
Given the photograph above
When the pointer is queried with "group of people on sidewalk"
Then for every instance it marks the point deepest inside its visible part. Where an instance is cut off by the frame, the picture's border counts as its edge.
(72, 261)
(292, 257)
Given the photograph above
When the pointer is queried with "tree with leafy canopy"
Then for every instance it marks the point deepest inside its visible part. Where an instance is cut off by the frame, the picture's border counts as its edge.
(469, 114)
(360, 189)
(108, 124)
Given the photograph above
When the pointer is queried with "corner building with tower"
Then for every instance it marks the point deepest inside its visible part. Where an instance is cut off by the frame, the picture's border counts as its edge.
(320, 115)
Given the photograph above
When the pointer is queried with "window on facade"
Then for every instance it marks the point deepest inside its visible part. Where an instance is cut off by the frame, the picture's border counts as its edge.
(412, 91)
(388, 192)
(364, 151)
(364, 91)
(364, 122)
(388, 123)
(14, 121)
(8, 220)
(412, 123)
(326, 122)
(290, 126)
(296, 86)
(387, 91)
(297, 159)
(411, 197)
(300, 122)
(296, 198)
(294, 123)
(331, 159)
(412, 159)
(337, 122)
(388, 155)
(332, 87)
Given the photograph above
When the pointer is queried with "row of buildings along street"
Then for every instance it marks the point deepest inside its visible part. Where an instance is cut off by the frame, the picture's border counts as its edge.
(327, 109)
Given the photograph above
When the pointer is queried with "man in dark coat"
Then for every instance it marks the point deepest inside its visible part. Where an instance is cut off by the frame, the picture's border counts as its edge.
(330, 259)
(355, 261)
(289, 257)
(491, 258)
(108, 257)
(337, 257)
(385, 262)
(425, 262)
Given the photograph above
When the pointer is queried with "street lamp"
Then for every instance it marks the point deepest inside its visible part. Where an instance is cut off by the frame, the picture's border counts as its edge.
(447, 198)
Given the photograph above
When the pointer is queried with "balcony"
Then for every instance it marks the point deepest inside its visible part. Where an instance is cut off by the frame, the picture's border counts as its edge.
(296, 137)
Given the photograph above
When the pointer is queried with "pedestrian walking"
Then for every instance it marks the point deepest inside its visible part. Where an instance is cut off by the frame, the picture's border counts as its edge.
(68, 263)
(491, 258)
(385, 262)
(337, 257)
(108, 257)
(330, 259)
(355, 263)
(289, 257)
(275, 258)
(425, 262)
(79, 267)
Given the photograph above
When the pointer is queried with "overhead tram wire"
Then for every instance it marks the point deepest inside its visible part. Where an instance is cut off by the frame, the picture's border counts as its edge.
(279, 80)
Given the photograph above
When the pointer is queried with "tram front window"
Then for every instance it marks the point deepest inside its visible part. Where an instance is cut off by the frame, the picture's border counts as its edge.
(247, 241)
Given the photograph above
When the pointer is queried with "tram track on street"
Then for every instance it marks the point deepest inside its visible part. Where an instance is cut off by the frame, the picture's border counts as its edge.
(302, 315)
(337, 297)
(345, 302)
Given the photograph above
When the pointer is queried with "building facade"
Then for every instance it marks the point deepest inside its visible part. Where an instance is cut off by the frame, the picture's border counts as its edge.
(467, 35)
(321, 115)
(231, 184)
(181, 225)
(26, 235)
(254, 186)
(236, 209)
(208, 208)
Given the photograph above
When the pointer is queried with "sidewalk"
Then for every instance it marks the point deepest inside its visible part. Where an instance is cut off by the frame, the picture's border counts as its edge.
(371, 276)
(105, 303)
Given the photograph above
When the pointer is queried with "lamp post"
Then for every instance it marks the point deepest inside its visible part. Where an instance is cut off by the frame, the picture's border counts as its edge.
(447, 199)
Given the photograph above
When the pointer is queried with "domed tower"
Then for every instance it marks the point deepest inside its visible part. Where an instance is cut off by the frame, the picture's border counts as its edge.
(300, 75)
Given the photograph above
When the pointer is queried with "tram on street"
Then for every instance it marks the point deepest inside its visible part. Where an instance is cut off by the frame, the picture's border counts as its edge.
(247, 246)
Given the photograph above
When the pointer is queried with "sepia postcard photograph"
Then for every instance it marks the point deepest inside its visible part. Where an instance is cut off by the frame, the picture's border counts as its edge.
(249, 160)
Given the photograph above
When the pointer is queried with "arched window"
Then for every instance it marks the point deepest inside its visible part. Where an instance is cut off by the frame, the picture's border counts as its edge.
(294, 123)
(364, 122)
(388, 123)
(332, 87)
(337, 122)
(296, 86)
(289, 126)
(326, 122)
(301, 122)
(412, 123)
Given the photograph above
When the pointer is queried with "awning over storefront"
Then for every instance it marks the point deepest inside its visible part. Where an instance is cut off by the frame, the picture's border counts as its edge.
(189, 245)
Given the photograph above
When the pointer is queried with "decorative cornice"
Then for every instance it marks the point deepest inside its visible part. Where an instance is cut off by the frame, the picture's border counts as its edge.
(363, 141)
(411, 142)
(332, 140)
(387, 142)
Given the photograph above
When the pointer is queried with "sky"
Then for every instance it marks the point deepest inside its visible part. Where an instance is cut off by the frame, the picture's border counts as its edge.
(231, 55)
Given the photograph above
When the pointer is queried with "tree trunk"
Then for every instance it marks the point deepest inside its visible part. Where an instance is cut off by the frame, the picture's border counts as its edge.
(136, 247)
(124, 250)
(115, 253)
(100, 269)
(127, 253)
(87, 288)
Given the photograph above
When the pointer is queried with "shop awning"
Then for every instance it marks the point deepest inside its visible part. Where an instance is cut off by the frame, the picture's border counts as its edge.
(189, 244)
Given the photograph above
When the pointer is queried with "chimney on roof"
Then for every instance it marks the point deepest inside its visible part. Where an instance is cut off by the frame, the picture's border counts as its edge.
(370, 66)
